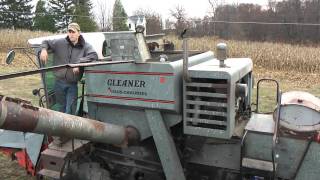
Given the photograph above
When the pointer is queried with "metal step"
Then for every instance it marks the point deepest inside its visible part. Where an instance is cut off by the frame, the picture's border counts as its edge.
(50, 173)
(56, 156)
(258, 164)
(53, 160)
(69, 146)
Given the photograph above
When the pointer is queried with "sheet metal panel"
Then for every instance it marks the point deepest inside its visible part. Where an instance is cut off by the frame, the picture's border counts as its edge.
(258, 145)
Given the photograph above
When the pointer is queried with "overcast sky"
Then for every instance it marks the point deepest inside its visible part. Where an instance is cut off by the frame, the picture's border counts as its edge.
(194, 8)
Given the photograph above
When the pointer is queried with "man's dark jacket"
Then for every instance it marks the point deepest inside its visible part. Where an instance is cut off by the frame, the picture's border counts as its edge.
(65, 52)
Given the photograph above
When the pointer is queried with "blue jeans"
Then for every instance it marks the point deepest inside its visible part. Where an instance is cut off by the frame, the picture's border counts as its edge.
(66, 96)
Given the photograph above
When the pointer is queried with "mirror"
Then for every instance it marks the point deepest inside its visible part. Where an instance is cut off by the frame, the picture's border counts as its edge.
(10, 56)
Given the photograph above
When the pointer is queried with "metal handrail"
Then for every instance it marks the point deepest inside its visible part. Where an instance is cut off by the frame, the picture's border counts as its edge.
(275, 134)
(258, 87)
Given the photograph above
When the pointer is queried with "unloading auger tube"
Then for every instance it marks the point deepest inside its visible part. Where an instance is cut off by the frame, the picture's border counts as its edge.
(20, 115)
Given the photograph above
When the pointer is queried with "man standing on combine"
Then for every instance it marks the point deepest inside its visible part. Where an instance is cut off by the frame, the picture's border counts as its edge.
(69, 50)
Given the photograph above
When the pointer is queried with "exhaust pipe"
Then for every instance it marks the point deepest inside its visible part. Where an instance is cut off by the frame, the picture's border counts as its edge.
(19, 115)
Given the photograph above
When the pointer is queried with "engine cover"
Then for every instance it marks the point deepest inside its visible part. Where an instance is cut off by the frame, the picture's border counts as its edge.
(210, 98)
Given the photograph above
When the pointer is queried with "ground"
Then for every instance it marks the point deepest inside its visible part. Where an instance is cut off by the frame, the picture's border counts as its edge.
(10, 170)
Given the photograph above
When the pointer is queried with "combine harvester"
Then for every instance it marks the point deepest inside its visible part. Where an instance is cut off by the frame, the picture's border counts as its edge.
(159, 115)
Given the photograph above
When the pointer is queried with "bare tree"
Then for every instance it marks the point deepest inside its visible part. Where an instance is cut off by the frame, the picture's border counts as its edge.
(169, 24)
(104, 15)
(153, 20)
(272, 5)
(180, 15)
(214, 4)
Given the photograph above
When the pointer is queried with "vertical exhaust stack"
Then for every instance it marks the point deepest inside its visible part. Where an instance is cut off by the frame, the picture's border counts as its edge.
(18, 115)
(185, 56)
(185, 60)
(222, 54)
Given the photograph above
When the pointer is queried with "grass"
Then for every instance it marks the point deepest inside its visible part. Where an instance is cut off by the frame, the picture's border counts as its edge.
(20, 87)
(10, 170)
(267, 95)
(288, 81)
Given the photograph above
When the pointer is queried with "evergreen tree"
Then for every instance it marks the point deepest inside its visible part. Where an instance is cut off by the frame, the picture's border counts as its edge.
(15, 14)
(62, 11)
(43, 20)
(84, 17)
(119, 17)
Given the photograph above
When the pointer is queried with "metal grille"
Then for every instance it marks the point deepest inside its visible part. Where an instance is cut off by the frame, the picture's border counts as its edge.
(206, 106)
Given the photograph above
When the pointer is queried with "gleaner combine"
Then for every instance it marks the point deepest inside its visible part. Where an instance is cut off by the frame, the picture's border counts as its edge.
(163, 115)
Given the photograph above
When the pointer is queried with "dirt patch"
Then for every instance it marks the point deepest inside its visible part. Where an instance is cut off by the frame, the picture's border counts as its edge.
(10, 169)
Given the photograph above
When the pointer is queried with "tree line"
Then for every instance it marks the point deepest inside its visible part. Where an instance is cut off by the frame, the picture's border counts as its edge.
(286, 20)
(55, 15)
(52, 15)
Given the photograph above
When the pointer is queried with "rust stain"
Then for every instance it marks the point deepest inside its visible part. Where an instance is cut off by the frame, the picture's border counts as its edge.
(132, 136)
(29, 106)
(284, 132)
(17, 100)
(100, 127)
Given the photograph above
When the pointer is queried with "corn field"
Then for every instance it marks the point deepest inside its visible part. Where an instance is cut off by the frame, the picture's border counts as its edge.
(266, 55)
(17, 38)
